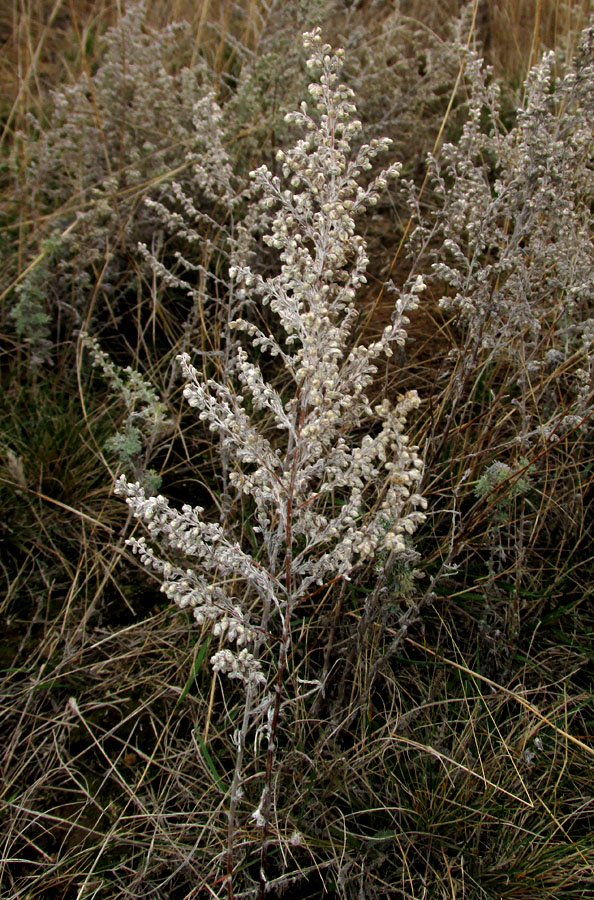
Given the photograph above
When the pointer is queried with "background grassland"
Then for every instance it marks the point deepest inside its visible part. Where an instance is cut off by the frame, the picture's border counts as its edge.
(452, 754)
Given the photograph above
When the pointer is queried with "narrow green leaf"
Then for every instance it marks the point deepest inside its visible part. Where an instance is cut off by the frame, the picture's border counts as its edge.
(195, 668)
(210, 762)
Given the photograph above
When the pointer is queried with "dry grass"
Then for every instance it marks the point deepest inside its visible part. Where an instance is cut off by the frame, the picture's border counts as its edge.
(451, 756)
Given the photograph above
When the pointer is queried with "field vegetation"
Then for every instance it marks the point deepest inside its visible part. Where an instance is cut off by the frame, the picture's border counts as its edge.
(296, 450)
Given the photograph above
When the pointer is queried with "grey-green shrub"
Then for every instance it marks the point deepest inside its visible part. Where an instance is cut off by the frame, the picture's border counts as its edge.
(110, 138)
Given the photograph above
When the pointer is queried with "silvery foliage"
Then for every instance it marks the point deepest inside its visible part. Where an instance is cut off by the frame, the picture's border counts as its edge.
(124, 123)
(324, 498)
(146, 415)
(271, 80)
(208, 218)
(130, 126)
(403, 86)
(200, 214)
(514, 210)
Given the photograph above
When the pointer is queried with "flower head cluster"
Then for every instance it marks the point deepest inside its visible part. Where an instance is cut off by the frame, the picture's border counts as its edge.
(333, 480)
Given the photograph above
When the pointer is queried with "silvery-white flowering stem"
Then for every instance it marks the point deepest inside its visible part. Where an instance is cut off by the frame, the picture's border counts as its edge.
(266, 800)
(235, 787)
(265, 803)
(313, 477)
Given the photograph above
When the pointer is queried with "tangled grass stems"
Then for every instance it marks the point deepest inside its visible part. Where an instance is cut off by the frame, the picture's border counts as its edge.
(448, 752)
